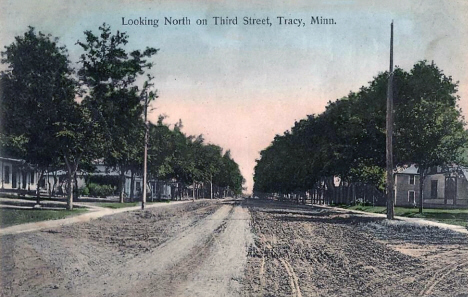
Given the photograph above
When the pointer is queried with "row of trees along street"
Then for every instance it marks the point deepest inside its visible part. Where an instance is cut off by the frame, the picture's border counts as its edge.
(347, 140)
(56, 117)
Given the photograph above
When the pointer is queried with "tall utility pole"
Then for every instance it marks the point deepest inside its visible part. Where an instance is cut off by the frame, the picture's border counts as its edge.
(390, 182)
(145, 155)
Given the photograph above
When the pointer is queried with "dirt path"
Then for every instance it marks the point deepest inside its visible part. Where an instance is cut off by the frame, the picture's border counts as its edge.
(307, 251)
(175, 251)
(95, 213)
(236, 248)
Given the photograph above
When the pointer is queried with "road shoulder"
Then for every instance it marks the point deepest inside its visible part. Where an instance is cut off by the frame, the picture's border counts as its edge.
(418, 221)
(95, 213)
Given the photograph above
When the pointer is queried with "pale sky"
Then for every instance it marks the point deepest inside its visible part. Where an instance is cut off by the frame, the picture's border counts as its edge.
(240, 85)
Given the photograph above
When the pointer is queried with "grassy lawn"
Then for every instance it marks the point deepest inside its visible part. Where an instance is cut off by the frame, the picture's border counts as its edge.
(115, 205)
(10, 217)
(447, 216)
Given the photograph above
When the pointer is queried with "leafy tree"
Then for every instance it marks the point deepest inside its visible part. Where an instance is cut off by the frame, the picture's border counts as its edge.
(211, 156)
(37, 87)
(229, 175)
(430, 130)
(187, 159)
(109, 73)
(348, 139)
(182, 163)
(161, 148)
(195, 164)
(79, 141)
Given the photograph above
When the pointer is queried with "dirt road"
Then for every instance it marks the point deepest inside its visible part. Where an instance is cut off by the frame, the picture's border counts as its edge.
(194, 249)
(304, 251)
(235, 248)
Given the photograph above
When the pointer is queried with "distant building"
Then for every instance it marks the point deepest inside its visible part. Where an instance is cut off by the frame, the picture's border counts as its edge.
(16, 175)
(443, 187)
(55, 181)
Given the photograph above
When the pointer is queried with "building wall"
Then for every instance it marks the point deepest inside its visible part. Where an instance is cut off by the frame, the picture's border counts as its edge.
(11, 170)
(12, 167)
(403, 186)
(439, 200)
(152, 189)
(60, 186)
(462, 192)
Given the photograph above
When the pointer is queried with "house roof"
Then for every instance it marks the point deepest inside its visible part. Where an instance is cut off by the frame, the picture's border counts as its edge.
(409, 170)
(414, 170)
(11, 160)
(17, 162)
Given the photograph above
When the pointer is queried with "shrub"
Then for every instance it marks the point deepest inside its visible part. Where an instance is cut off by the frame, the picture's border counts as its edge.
(84, 191)
(97, 190)
(103, 180)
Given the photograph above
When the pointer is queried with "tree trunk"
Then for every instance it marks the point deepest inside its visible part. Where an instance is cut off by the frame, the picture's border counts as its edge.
(55, 183)
(19, 181)
(122, 185)
(132, 186)
(159, 190)
(173, 191)
(330, 194)
(71, 169)
(75, 180)
(421, 186)
(38, 191)
(49, 186)
(70, 192)
(193, 192)
(177, 191)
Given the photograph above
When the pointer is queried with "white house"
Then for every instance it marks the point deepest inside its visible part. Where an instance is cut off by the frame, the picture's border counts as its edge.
(443, 187)
(16, 175)
(55, 181)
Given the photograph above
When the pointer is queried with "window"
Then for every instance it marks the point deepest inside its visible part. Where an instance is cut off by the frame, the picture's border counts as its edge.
(433, 189)
(411, 179)
(411, 198)
(7, 175)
